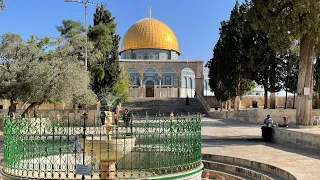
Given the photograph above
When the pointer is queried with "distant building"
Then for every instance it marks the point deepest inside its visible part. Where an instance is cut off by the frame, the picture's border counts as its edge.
(257, 91)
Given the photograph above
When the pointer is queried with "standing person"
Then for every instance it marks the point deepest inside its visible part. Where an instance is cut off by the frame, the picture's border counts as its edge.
(12, 109)
(102, 115)
(116, 114)
(187, 100)
(126, 118)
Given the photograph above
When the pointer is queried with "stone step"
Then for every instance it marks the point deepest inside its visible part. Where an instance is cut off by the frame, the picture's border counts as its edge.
(214, 174)
(165, 106)
(253, 166)
(244, 172)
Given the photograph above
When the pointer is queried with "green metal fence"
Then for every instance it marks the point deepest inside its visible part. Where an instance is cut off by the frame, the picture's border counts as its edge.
(48, 148)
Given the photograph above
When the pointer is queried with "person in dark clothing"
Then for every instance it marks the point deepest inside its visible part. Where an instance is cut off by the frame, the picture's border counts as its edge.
(187, 100)
(126, 117)
(102, 116)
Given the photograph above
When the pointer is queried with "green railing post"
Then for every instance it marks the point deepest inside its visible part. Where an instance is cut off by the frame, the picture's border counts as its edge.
(164, 145)
(171, 142)
(131, 122)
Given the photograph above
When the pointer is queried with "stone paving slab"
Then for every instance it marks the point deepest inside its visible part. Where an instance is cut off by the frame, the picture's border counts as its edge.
(303, 164)
(315, 130)
(229, 129)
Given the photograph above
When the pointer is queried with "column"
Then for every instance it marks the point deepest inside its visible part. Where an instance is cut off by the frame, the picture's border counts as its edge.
(178, 79)
(159, 79)
(141, 87)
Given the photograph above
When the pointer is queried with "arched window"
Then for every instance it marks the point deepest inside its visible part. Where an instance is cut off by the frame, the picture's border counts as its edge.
(168, 81)
(186, 82)
(132, 80)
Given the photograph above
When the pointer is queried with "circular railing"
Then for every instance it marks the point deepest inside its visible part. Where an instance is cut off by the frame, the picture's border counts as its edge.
(77, 148)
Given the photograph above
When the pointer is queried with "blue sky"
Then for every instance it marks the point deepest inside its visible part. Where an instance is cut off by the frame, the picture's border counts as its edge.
(195, 23)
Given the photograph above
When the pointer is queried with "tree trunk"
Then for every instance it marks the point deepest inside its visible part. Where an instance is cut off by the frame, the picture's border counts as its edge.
(237, 103)
(30, 107)
(265, 106)
(285, 102)
(305, 80)
(229, 105)
(317, 100)
(294, 100)
(272, 100)
(12, 109)
(221, 105)
(318, 96)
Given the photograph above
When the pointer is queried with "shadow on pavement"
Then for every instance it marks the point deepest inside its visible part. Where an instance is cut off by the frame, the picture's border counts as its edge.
(226, 123)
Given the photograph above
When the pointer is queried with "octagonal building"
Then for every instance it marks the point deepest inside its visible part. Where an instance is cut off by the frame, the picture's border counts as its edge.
(150, 54)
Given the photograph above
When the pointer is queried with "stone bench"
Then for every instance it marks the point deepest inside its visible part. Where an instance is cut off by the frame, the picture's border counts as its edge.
(302, 138)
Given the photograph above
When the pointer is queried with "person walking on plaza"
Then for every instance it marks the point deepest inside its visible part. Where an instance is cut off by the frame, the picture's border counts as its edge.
(187, 100)
(126, 117)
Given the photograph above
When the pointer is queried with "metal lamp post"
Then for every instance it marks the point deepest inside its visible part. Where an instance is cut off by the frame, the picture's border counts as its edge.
(86, 3)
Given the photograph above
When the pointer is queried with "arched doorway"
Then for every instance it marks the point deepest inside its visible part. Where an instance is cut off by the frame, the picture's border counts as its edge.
(149, 89)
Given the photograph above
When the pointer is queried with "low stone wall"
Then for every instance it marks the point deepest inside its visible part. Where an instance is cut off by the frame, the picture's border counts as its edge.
(246, 101)
(293, 137)
(256, 116)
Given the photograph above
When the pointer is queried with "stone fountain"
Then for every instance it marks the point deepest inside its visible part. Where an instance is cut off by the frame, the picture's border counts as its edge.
(110, 148)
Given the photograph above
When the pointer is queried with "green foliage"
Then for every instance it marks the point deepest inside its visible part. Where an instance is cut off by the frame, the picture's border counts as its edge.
(2, 5)
(217, 76)
(100, 36)
(121, 88)
(30, 74)
(229, 73)
(102, 47)
(70, 28)
(285, 21)
(291, 69)
(105, 72)
(316, 86)
(72, 31)
(264, 64)
(246, 86)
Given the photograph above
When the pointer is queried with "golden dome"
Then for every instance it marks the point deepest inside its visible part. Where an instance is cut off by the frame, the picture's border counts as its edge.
(149, 33)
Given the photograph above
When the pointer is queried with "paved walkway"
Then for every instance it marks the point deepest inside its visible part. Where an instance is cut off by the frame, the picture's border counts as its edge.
(304, 165)
(229, 129)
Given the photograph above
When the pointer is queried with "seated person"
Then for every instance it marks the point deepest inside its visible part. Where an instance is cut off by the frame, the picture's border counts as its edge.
(267, 120)
(285, 122)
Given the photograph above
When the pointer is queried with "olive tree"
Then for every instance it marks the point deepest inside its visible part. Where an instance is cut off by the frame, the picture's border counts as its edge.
(31, 74)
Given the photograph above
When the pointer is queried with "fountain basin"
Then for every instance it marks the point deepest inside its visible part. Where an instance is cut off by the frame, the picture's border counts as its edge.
(106, 149)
